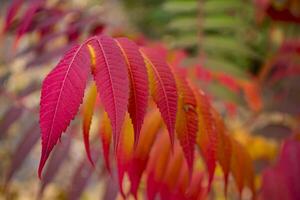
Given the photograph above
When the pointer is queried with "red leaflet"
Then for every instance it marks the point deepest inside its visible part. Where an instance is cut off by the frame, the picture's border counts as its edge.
(11, 13)
(138, 84)
(111, 78)
(203, 74)
(229, 81)
(187, 119)
(62, 93)
(163, 88)
(88, 110)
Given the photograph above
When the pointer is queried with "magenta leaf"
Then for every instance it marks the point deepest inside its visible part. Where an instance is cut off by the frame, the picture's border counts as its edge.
(62, 94)
(138, 84)
(112, 82)
(282, 180)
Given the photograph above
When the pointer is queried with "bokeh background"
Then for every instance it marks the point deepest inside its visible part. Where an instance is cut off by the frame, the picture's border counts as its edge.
(243, 53)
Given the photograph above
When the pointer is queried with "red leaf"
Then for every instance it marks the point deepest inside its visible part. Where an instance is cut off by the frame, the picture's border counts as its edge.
(111, 78)
(203, 74)
(163, 88)
(88, 110)
(62, 93)
(187, 119)
(138, 83)
(282, 180)
(274, 186)
(289, 164)
(229, 81)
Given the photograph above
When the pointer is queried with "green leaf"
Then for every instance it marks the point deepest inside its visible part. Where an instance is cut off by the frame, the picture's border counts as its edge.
(224, 66)
(183, 24)
(221, 22)
(228, 45)
(214, 6)
(177, 7)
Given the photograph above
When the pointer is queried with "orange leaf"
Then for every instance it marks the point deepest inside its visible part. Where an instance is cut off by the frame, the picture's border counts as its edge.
(252, 95)
(223, 146)
(172, 172)
(124, 150)
(105, 134)
(207, 136)
(241, 167)
(88, 109)
(163, 88)
(140, 156)
(187, 119)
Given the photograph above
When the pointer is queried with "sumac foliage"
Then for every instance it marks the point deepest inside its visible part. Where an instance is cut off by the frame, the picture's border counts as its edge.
(123, 76)
(162, 114)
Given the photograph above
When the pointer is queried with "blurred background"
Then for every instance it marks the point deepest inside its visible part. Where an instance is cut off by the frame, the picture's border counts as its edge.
(245, 54)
